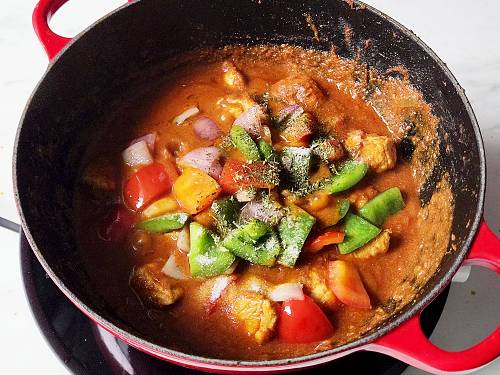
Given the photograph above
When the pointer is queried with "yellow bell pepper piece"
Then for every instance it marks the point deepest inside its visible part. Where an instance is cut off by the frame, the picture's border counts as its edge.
(160, 207)
(195, 190)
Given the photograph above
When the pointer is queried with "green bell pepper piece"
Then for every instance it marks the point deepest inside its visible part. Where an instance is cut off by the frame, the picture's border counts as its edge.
(206, 258)
(378, 209)
(358, 232)
(244, 143)
(165, 223)
(255, 242)
(225, 212)
(343, 205)
(262, 251)
(267, 250)
(348, 174)
(266, 150)
(293, 230)
(296, 162)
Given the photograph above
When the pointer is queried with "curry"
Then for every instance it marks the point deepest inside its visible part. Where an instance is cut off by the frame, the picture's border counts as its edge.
(257, 203)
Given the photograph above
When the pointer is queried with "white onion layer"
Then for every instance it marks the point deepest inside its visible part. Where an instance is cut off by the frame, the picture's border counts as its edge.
(171, 269)
(137, 154)
(190, 112)
(287, 292)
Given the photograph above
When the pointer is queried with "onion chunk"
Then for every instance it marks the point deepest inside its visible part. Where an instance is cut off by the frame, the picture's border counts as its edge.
(137, 154)
(287, 292)
(171, 269)
(206, 128)
(190, 112)
(149, 138)
(206, 159)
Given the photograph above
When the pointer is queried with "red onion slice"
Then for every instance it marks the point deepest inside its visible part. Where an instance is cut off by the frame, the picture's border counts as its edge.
(287, 292)
(205, 158)
(137, 154)
(264, 210)
(290, 112)
(150, 140)
(206, 128)
(250, 120)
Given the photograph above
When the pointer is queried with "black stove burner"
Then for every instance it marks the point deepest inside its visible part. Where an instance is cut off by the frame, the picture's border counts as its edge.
(87, 349)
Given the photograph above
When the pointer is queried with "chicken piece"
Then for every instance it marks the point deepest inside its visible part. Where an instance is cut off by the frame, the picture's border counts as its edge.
(378, 151)
(360, 197)
(234, 106)
(319, 291)
(328, 150)
(257, 314)
(298, 90)
(299, 129)
(153, 287)
(100, 175)
(256, 284)
(379, 245)
(232, 76)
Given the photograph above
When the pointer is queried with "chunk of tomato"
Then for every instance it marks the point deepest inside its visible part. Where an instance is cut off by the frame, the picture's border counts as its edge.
(147, 184)
(346, 284)
(236, 175)
(302, 321)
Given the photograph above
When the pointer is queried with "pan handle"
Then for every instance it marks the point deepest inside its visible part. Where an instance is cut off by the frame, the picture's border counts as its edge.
(485, 250)
(409, 344)
(51, 42)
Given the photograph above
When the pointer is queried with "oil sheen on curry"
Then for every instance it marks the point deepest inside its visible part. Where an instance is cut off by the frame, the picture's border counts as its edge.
(262, 203)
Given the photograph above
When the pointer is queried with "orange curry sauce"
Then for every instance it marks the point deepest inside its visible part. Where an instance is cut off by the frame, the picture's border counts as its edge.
(186, 325)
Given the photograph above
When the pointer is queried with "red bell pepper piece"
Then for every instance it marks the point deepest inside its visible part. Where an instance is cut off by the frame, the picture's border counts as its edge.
(236, 175)
(302, 321)
(330, 237)
(147, 184)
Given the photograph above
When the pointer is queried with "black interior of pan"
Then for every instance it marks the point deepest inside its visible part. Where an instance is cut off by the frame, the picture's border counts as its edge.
(93, 75)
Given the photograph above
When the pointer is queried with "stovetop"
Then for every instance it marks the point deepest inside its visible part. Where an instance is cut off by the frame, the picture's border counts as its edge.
(88, 349)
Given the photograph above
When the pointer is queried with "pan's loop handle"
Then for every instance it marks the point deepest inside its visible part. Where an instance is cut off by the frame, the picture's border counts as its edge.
(485, 250)
(51, 42)
(409, 344)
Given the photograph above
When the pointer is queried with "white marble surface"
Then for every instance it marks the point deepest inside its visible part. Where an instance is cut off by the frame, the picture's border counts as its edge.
(463, 33)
